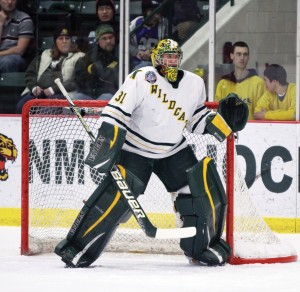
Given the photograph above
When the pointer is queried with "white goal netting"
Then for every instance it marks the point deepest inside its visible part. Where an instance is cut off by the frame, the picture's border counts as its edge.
(58, 181)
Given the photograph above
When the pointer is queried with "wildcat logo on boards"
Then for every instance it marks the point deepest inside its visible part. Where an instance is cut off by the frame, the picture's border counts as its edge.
(8, 152)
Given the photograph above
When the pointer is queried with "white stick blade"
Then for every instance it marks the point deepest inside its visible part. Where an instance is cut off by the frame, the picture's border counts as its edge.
(175, 233)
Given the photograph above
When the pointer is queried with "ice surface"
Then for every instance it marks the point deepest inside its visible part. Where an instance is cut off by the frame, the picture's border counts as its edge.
(137, 272)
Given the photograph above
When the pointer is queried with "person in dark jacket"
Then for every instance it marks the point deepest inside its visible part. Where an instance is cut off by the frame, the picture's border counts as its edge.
(186, 16)
(97, 73)
(106, 14)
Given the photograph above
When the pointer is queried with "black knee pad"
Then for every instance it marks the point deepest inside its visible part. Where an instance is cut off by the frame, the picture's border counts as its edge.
(96, 223)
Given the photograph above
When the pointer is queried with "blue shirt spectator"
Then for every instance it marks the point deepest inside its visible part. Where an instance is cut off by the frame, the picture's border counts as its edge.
(145, 32)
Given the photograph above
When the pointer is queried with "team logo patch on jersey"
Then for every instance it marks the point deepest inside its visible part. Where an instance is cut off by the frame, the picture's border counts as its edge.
(150, 77)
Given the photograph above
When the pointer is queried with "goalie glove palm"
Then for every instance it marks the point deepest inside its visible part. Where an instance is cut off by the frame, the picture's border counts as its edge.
(234, 111)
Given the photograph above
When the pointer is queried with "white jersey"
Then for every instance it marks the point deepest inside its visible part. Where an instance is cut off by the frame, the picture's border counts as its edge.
(155, 114)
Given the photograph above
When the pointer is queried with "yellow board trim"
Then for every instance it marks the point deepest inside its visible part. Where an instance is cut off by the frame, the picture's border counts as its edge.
(46, 218)
(10, 216)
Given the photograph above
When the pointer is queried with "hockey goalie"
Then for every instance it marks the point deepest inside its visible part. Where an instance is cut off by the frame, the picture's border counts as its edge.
(141, 132)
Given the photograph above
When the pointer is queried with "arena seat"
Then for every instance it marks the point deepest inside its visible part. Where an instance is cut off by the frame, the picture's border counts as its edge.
(11, 86)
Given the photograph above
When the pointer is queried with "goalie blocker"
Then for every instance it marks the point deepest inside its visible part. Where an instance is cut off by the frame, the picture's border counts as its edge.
(106, 147)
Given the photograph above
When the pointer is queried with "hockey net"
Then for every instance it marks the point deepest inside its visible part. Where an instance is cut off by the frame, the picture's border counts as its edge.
(55, 182)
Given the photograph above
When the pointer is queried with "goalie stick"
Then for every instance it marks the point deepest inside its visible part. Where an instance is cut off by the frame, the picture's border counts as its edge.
(133, 204)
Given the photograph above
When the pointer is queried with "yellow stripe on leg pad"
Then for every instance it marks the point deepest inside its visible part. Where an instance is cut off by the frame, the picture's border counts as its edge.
(205, 165)
(112, 205)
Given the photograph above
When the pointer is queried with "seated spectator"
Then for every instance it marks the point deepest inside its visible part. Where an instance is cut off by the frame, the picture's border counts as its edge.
(279, 101)
(16, 33)
(97, 73)
(145, 32)
(186, 16)
(58, 62)
(106, 14)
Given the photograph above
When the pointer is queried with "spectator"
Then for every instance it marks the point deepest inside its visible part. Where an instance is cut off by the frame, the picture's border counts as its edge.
(145, 32)
(186, 16)
(16, 32)
(58, 62)
(279, 101)
(242, 81)
(97, 72)
(106, 14)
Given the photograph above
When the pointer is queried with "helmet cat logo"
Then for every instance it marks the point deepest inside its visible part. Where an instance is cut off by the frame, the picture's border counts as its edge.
(8, 151)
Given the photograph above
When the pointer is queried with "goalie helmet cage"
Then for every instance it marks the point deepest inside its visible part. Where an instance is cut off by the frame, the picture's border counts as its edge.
(55, 182)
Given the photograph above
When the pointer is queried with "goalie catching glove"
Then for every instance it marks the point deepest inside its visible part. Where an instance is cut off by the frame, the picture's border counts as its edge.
(232, 116)
(234, 111)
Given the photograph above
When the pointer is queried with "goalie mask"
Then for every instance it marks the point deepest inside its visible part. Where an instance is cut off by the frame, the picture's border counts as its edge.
(167, 55)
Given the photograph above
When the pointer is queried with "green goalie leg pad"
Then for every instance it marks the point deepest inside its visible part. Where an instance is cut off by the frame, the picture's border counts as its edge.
(206, 186)
(205, 208)
(96, 222)
(193, 247)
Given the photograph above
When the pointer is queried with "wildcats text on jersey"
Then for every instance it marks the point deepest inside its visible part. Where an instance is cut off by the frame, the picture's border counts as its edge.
(177, 111)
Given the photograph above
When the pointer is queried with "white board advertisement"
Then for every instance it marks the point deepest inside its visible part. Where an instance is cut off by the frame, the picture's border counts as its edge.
(267, 155)
(268, 159)
(10, 161)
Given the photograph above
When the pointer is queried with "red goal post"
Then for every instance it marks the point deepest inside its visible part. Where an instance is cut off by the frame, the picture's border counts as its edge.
(55, 181)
